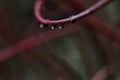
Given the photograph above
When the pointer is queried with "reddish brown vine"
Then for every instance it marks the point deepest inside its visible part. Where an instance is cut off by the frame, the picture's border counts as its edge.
(29, 43)
(38, 7)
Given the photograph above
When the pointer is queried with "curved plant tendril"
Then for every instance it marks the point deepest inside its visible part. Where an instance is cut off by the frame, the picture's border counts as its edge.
(38, 7)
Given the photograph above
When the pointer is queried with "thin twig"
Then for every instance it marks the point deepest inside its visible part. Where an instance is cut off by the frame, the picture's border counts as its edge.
(38, 9)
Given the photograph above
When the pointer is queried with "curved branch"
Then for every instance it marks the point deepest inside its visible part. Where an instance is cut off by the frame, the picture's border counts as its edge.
(38, 7)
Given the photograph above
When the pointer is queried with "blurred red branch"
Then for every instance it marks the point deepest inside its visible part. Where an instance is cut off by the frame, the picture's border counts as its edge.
(33, 41)
(102, 74)
(95, 23)
(48, 62)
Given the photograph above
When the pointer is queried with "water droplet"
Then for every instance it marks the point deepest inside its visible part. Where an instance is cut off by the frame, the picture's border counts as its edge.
(52, 27)
(61, 26)
(41, 25)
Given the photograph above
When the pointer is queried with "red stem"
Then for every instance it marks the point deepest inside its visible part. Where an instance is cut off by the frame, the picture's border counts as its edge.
(102, 74)
(35, 41)
(38, 7)
(97, 24)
